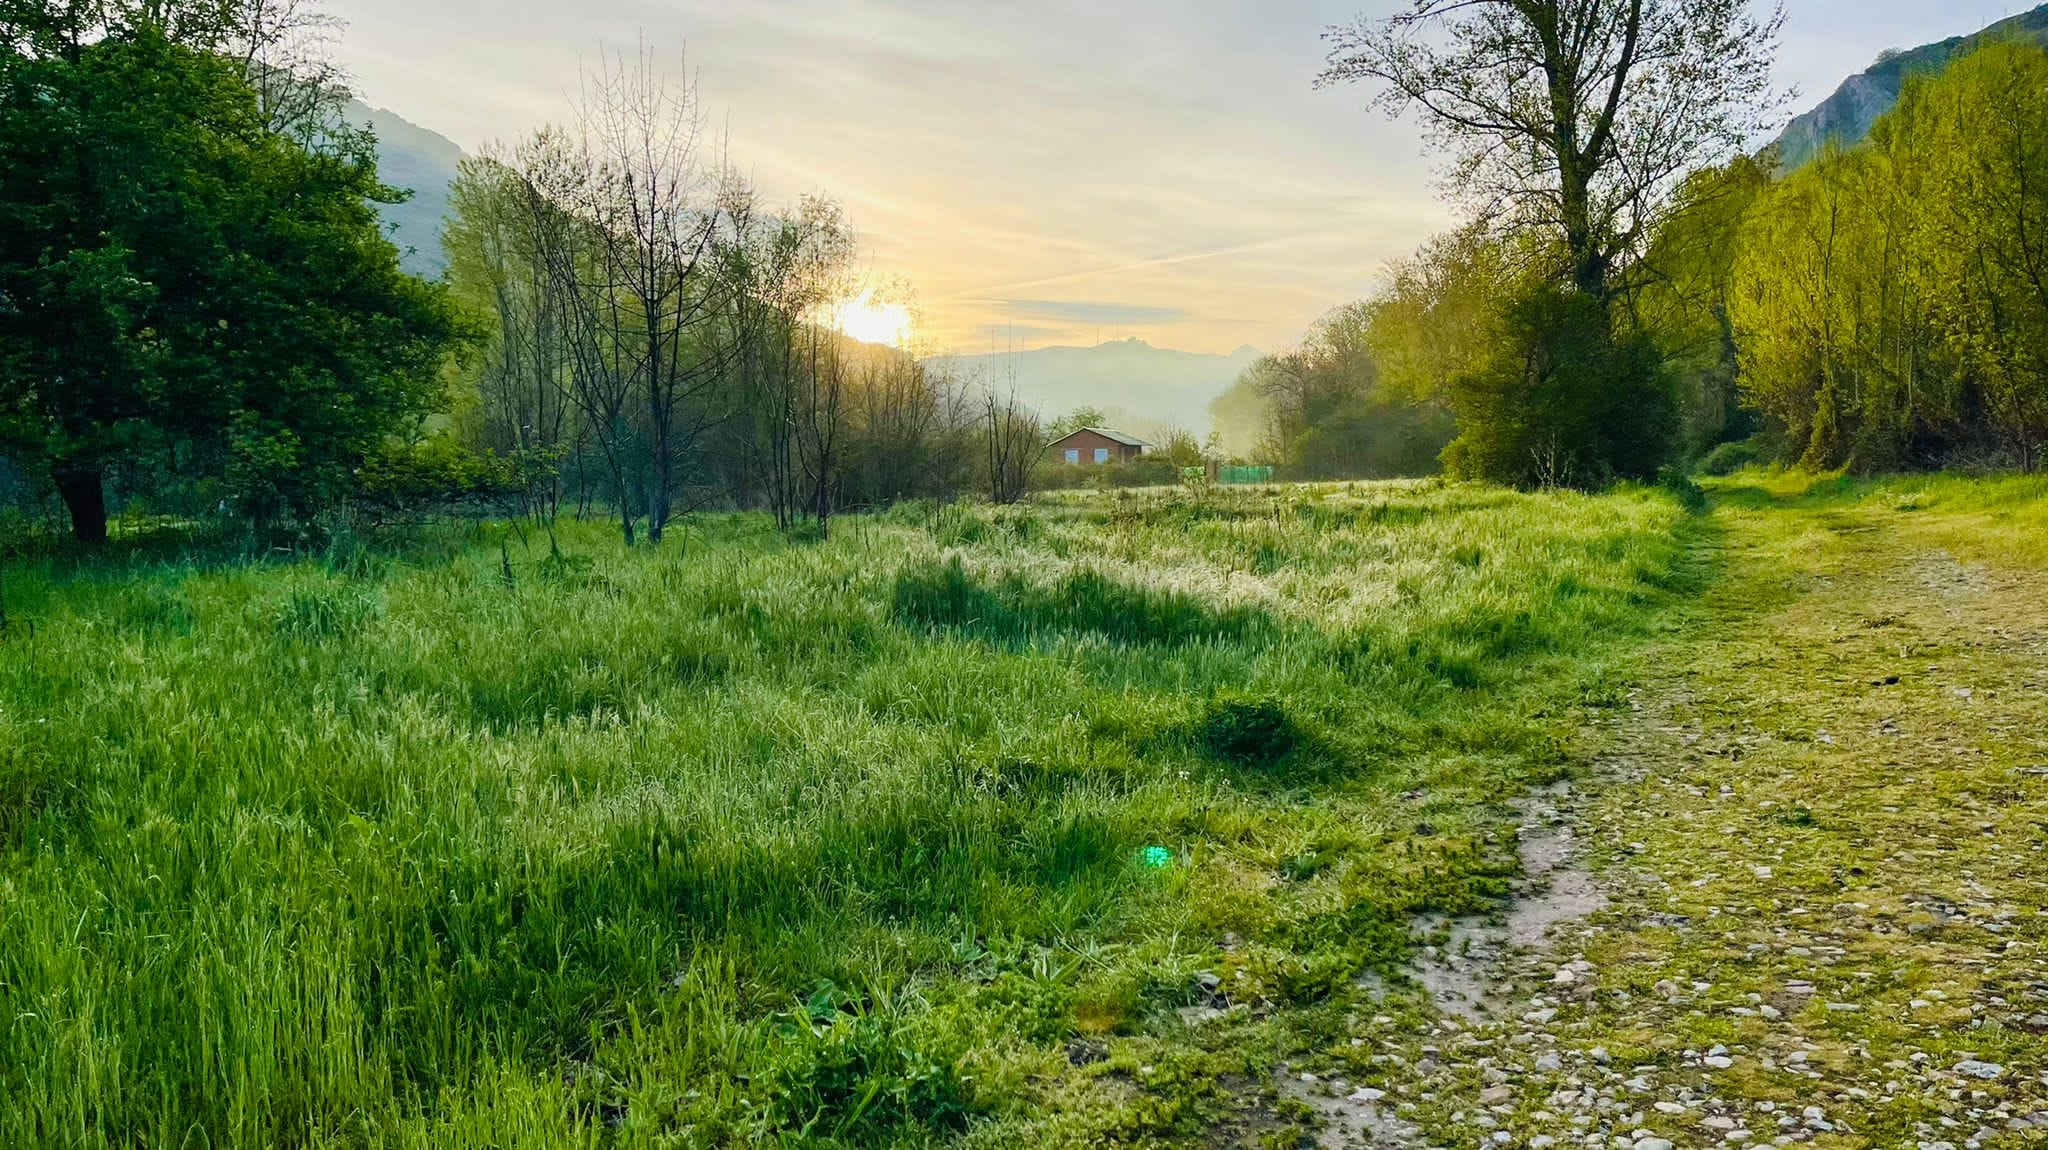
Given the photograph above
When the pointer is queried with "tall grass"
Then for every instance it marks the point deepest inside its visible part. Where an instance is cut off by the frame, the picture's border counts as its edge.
(756, 842)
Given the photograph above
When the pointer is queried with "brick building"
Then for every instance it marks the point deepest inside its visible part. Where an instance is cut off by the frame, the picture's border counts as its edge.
(1095, 446)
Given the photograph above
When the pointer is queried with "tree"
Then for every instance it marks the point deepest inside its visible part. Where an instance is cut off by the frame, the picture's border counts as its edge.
(648, 192)
(1684, 297)
(1012, 442)
(781, 272)
(1076, 420)
(183, 287)
(1889, 304)
(1427, 325)
(1575, 118)
(1329, 412)
(497, 243)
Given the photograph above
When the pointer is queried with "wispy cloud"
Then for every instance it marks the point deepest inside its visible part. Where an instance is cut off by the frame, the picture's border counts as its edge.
(1069, 312)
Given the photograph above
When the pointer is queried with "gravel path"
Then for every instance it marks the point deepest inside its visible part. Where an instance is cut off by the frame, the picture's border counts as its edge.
(1801, 900)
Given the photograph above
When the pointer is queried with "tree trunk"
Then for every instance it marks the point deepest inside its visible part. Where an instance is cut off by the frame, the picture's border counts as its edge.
(85, 496)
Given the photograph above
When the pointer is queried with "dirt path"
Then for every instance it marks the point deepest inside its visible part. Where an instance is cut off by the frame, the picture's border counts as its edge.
(1801, 899)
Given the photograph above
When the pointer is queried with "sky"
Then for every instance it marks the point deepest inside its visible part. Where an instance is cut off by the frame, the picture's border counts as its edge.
(1040, 172)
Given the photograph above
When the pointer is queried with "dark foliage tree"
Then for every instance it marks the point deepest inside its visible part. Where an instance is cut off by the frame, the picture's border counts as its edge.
(1560, 399)
(181, 284)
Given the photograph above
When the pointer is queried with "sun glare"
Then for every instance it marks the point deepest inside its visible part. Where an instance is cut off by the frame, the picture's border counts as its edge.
(870, 320)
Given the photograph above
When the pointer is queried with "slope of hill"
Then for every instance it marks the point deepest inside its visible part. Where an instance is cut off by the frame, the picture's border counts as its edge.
(1847, 116)
(1152, 384)
(423, 163)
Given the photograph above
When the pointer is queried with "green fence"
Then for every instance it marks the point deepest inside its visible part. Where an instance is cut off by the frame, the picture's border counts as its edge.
(1243, 476)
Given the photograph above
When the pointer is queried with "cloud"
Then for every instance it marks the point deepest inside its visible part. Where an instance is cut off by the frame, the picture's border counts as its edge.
(1169, 155)
(1086, 312)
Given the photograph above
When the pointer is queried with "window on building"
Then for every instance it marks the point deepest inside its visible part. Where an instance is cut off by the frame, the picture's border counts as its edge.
(1102, 455)
(1074, 455)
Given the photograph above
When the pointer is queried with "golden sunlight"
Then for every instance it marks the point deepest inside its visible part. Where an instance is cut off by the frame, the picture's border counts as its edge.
(871, 320)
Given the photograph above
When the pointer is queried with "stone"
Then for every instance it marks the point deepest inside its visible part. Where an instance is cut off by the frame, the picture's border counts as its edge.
(1983, 1071)
(1367, 1096)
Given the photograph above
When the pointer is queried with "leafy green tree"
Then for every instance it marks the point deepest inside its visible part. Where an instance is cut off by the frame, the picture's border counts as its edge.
(183, 285)
(1570, 125)
(1331, 413)
(1683, 297)
(1889, 305)
(1982, 133)
(1428, 324)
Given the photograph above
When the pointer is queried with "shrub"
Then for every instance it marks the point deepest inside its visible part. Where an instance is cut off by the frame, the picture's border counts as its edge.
(1248, 732)
(1689, 494)
(862, 1080)
(1562, 399)
(1729, 458)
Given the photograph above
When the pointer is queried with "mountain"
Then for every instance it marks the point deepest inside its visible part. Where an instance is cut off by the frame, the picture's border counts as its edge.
(1145, 386)
(422, 162)
(1847, 116)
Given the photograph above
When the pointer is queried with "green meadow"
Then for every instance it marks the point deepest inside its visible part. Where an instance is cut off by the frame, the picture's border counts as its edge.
(923, 835)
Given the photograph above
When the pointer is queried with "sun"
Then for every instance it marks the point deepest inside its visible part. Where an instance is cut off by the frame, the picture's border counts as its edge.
(871, 320)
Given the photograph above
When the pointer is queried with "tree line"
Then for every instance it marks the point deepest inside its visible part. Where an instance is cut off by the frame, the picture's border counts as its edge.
(201, 315)
(1635, 290)
(658, 338)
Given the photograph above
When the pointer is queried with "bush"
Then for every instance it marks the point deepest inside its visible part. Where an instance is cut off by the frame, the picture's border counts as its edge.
(1730, 458)
(863, 1080)
(1562, 399)
(441, 475)
(1248, 732)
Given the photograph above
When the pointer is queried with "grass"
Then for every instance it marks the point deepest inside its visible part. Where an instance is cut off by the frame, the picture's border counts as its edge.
(749, 842)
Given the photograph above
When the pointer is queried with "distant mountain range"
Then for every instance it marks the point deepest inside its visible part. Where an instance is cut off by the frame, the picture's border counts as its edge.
(422, 162)
(1144, 387)
(1847, 116)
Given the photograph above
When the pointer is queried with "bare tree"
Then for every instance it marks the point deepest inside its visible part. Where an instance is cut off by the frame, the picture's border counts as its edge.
(497, 243)
(781, 273)
(652, 201)
(1014, 441)
(1577, 117)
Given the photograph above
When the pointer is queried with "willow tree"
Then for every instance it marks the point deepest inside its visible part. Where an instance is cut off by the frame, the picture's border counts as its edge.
(1577, 118)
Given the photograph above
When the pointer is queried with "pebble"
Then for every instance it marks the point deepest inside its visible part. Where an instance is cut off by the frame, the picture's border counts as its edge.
(1367, 1096)
(1984, 1071)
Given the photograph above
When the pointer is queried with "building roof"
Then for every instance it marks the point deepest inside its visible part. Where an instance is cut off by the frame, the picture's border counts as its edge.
(1112, 436)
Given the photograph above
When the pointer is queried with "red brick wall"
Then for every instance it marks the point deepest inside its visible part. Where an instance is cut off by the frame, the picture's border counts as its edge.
(1087, 443)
